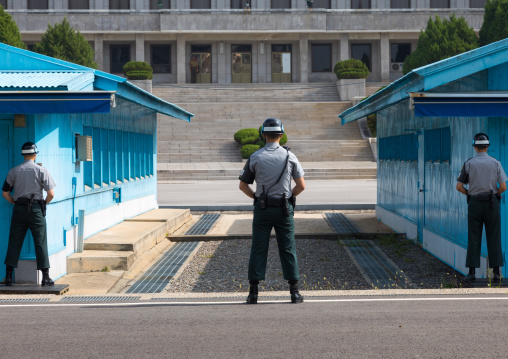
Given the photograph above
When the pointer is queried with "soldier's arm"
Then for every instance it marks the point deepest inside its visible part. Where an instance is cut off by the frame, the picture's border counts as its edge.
(502, 187)
(300, 186)
(244, 187)
(8, 197)
(460, 188)
(50, 194)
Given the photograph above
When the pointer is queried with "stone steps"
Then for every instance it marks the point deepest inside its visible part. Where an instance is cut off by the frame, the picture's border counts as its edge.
(119, 247)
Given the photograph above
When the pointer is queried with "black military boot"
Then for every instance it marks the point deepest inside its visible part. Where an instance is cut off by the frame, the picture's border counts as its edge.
(471, 276)
(8, 276)
(253, 292)
(497, 275)
(296, 297)
(46, 280)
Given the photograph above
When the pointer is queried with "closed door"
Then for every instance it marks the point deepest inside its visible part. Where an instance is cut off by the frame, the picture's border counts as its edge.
(281, 67)
(203, 72)
(241, 67)
(5, 207)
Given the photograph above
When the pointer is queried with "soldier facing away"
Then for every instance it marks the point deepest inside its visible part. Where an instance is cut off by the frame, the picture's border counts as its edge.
(27, 181)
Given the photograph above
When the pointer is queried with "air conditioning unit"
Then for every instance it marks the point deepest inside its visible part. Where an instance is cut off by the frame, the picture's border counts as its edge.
(397, 66)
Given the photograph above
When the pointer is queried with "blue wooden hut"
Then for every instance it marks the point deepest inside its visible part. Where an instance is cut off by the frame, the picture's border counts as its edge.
(425, 124)
(96, 134)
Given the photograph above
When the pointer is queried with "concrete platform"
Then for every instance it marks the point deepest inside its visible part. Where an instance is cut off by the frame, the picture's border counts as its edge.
(57, 289)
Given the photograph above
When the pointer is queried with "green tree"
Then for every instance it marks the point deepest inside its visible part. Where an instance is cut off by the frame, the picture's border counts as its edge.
(9, 32)
(63, 42)
(440, 40)
(495, 22)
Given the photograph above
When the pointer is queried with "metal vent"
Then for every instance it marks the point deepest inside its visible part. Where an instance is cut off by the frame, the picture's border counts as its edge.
(28, 300)
(99, 299)
(340, 223)
(203, 225)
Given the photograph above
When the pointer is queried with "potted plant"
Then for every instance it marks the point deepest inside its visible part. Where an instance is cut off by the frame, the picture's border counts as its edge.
(351, 75)
(140, 74)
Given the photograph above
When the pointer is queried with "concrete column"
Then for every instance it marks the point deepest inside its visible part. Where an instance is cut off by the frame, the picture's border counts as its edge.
(385, 57)
(221, 62)
(181, 64)
(344, 47)
(140, 47)
(304, 58)
(262, 73)
(99, 51)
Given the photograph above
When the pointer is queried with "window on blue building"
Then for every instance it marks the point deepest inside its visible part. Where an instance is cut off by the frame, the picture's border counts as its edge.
(97, 163)
(437, 145)
(403, 148)
(88, 165)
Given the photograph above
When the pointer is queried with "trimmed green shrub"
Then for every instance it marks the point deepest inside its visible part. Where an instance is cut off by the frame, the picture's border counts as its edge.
(136, 66)
(139, 75)
(494, 22)
(351, 69)
(283, 140)
(261, 143)
(249, 140)
(372, 123)
(248, 150)
(440, 40)
(246, 132)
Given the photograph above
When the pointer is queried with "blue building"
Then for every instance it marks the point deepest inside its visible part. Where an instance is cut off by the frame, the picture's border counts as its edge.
(425, 124)
(96, 134)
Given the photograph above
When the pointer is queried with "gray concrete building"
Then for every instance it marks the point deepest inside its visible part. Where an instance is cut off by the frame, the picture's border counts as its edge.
(242, 41)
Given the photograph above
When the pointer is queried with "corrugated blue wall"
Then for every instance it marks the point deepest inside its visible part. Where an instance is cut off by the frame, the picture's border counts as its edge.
(55, 137)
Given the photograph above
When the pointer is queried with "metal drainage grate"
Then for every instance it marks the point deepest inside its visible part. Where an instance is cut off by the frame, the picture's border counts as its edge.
(158, 276)
(99, 299)
(29, 300)
(340, 223)
(203, 225)
(376, 268)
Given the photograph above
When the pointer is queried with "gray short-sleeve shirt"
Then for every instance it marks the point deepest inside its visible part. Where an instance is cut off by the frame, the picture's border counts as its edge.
(482, 173)
(265, 166)
(28, 179)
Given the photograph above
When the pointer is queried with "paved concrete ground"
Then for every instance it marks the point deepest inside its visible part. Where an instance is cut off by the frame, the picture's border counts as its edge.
(225, 195)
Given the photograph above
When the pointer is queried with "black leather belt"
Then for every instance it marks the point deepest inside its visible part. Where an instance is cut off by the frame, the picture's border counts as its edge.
(274, 202)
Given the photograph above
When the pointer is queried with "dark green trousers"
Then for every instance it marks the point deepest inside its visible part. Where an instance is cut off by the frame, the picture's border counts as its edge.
(480, 213)
(21, 222)
(264, 221)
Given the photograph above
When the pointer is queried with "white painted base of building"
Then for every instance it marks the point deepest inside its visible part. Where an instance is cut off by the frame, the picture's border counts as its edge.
(94, 223)
(441, 247)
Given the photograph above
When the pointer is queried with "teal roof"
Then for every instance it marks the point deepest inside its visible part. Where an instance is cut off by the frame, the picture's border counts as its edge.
(46, 80)
(429, 77)
(22, 61)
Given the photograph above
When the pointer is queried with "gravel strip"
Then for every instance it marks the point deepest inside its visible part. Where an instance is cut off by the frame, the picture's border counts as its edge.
(222, 267)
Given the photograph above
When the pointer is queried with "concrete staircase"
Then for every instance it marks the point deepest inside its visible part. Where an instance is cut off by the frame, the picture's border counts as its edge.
(122, 246)
(308, 111)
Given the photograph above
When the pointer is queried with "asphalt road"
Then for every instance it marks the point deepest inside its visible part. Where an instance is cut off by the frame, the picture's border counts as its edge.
(469, 326)
(226, 193)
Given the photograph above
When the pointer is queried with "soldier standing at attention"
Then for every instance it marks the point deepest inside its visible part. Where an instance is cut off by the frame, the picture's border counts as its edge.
(273, 167)
(483, 173)
(28, 180)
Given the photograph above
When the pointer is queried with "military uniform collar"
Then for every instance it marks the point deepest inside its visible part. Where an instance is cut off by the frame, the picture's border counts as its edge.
(482, 154)
(272, 146)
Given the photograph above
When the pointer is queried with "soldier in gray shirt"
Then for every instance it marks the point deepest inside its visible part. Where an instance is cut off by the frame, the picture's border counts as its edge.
(27, 181)
(272, 167)
(483, 173)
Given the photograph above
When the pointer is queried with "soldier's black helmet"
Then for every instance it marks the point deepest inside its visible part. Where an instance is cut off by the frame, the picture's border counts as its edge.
(29, 148)
(272, 126)
(481, 139)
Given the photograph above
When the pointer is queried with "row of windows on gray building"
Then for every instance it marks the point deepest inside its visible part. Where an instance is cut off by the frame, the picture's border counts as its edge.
(240, 4)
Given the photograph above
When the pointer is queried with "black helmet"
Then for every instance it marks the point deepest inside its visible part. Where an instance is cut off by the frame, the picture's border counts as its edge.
(481, 139)
(272, 126)
(29, 148)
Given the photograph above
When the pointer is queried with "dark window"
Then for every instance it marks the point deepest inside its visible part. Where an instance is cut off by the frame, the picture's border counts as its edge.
(281, 48)
(322, 4)
(201, 4)
(362, 52)
(38, 4)
(399, 52)
(439, 4)
(3, 3)
(161, 58)
(30, 47)
(240, 4)
(204, 48)
(241, 48)
(360, 4)
(120, 55)
(400, 4)
(154, 4)
(281, 4)
(477, 4)
(119, 4)
(79, 4)
(321, 58)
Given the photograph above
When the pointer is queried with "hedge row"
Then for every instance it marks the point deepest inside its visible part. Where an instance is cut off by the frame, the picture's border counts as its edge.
(252, 140)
